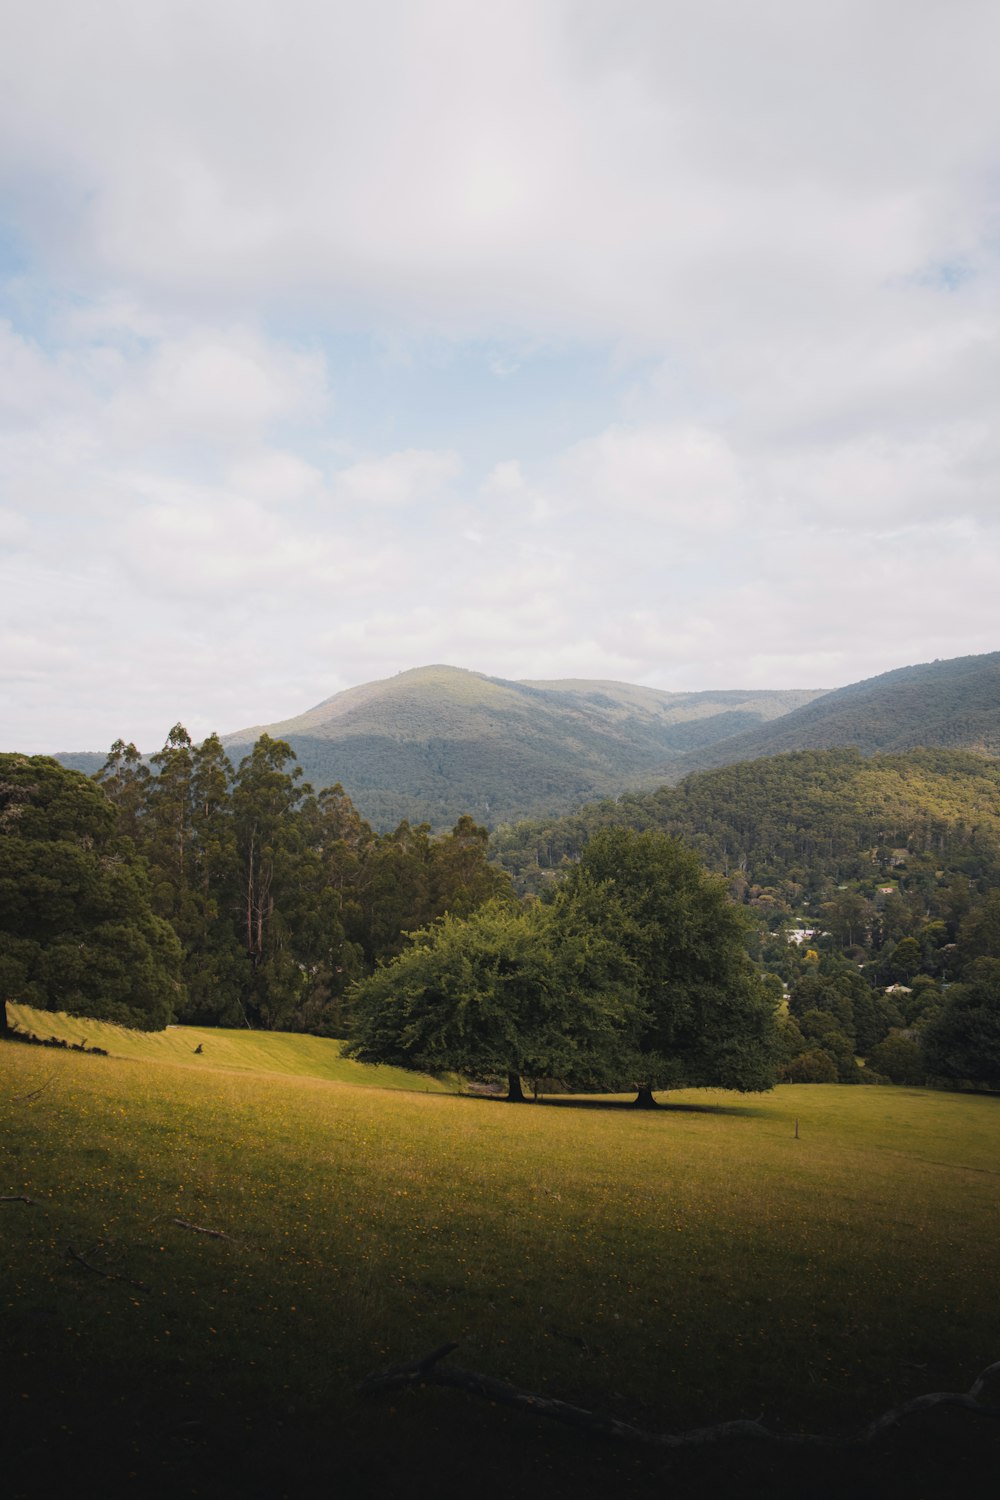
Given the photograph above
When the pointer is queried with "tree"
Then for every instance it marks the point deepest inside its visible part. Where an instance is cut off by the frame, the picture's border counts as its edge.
(899, 1059)
(508, 991)
(77, 931)
(214, 958)
(904, 961)
(979, 933)
(963, 1042)
(813, 1066)
(706, 1017)
(125, 780)
(271, 857)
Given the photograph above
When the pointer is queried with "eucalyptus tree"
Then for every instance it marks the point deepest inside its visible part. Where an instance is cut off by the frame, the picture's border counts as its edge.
(77, 929)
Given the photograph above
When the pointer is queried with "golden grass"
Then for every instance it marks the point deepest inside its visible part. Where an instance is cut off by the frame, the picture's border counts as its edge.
(244, 1051)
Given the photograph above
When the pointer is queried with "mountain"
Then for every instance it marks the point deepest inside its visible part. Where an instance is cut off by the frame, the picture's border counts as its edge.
(954, 704)
(434, 742)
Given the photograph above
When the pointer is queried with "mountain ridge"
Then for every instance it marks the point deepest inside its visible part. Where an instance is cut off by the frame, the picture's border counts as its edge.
(434, 742)
(951, 703)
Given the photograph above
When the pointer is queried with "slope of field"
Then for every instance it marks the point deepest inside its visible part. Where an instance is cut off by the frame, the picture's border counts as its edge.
(207, 1048)
(436, 742)
(688, 1266)
(954, 704)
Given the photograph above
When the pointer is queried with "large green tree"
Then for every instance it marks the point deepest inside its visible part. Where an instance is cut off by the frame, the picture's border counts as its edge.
(77, 929)
(505, 992)
(707, 1019)
(962, 1043)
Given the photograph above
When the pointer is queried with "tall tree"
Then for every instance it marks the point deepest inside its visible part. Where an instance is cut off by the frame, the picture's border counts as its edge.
(707, 1019)
(125, 780)
(271, 853)
(77, 931)
(215, 959)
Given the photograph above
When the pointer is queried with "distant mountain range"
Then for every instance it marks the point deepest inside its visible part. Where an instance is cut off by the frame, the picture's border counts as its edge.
(436, 742)
(954, 704)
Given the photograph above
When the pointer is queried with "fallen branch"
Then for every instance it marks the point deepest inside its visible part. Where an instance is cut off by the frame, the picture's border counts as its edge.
(215, 1234)
(23, 1098)
(19, 1198)
(108, 1275)
(427, 1371)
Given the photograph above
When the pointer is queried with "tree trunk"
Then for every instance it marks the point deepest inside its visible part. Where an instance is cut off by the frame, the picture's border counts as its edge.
(515, 1094)
(4, 1028)
(644, 1098)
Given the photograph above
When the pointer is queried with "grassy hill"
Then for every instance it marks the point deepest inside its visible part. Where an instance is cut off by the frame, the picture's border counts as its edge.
(208, 1049)
(954, 704)
(435, 742)
(701, 1263)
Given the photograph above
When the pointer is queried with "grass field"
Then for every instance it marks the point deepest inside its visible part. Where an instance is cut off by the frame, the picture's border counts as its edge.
(674, 1268)
(243, 1051)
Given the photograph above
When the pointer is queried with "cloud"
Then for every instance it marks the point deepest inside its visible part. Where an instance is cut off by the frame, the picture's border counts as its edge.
(683, 478)
(397, 479)
(615, 170)
(656, 342)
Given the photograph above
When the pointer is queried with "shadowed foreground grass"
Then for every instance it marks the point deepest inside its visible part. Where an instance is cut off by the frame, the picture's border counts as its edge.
(674, 1268)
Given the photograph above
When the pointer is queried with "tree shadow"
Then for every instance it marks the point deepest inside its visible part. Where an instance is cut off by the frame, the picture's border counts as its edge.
(629, 1106)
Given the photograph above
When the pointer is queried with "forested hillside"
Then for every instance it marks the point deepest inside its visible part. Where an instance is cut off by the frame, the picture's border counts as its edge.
(954, 704)
(806, 819)
(432, 744)
(873, 884)
(436, 742)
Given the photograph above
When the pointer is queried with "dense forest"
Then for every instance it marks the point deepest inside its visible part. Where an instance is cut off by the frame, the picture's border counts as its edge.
(187, 888)
(873, 885)
(274, 898)
(794, 826)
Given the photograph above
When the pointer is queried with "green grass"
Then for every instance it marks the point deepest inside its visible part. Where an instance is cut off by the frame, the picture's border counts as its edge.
(679, 1267)
(245, 1051)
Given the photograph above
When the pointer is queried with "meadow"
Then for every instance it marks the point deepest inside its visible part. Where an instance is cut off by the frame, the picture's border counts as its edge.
(675, 1268)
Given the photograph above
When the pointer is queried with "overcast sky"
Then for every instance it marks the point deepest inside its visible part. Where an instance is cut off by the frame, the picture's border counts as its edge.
(641, 339)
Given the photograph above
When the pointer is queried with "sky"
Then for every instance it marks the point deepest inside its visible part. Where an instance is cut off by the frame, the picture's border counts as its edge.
(652, 340)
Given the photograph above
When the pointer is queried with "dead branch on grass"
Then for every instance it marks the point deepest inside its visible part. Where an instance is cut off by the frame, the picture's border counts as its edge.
(19, 1198)
(108, 1275)
(427, 1371)
(23, 1098)
(215, 1234)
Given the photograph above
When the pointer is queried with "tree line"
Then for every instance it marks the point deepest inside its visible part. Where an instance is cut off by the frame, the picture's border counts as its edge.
(190, 889)
(249, 898)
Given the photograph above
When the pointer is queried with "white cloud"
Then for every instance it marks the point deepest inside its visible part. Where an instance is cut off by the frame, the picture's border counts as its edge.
(396, 480)
(775, 224)
(684, 478)
(619, 168)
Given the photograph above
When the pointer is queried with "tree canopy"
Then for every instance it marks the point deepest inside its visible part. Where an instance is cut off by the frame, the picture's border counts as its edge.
(634, 974)
(962, 1043)
(508, 991)
(706, 1017)
(77, 928)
